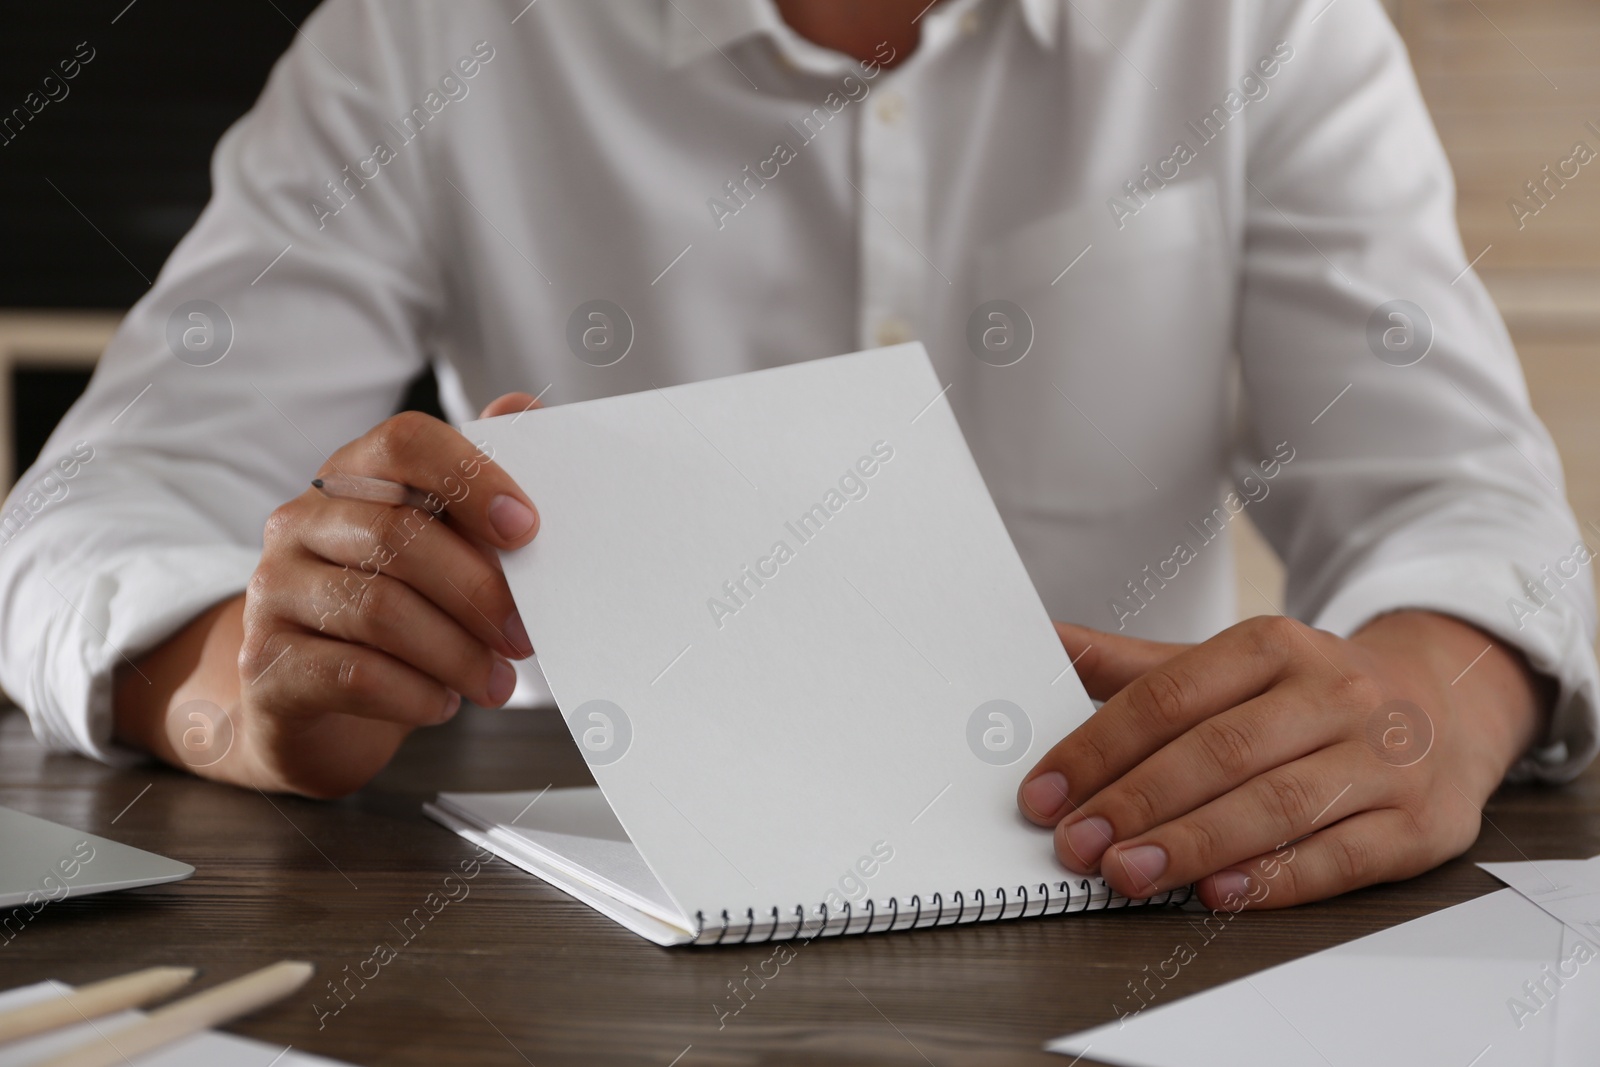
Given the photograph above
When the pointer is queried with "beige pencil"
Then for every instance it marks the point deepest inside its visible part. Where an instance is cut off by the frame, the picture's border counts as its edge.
(215, 1006)
(94, 1000)
(375, 491)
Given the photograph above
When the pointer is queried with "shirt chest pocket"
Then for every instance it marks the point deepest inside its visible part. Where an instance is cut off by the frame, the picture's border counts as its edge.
(1123, 389)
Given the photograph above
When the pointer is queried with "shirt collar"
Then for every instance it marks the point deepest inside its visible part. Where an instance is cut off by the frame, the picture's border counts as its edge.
(693, 28)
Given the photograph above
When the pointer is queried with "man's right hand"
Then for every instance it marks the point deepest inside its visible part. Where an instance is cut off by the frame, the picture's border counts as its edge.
(362, 622)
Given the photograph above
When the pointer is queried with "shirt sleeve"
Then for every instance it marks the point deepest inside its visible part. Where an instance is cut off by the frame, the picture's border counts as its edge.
(1420, 478)
(286, 323)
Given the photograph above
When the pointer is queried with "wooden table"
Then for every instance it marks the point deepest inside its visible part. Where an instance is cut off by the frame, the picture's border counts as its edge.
(517, 973)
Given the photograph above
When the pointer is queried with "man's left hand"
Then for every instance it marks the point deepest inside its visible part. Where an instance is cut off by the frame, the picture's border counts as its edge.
(1373, 755)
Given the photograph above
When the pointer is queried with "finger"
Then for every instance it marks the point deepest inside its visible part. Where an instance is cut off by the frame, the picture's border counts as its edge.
(1218, 755)
(1240, 663)
(390, 616)
(1107, 662)
(421, 451)
(1281, 805)
(1367, 848)
(510, 404)
(514, 630)
(414, 547)
(294, 673)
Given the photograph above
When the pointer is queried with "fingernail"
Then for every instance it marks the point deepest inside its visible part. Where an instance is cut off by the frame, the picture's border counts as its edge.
(510, 517)
(1045, 795)
(1145, 863)
(502, 680)
(452, 704)
(1086, 840)
(517, 634)
(1231, 884)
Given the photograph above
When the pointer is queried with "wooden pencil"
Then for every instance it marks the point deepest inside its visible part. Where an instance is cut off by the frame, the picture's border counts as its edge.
(213, 1007)
(94, 1000)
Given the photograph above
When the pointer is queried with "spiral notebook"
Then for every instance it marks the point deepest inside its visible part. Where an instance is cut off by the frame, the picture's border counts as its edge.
(789, 632)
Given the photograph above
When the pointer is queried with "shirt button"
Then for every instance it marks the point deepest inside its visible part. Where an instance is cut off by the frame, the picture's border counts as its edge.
(890, 107)
(894, 331)
(969, 23)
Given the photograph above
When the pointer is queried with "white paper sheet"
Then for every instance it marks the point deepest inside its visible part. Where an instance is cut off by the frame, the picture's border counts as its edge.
(206, 1049)
(775, 746)
(573, 831)
(569, 877)
(1458, 988)
(1567, 889)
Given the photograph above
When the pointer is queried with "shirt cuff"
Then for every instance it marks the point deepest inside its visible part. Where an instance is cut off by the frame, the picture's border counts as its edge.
(127, 606)
(1488, 593)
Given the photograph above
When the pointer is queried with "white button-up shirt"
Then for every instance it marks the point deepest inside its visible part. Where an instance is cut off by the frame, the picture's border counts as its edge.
(1174, 262)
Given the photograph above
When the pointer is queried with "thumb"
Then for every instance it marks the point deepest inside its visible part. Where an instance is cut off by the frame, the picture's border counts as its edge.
(1108, 662)
(509, 404)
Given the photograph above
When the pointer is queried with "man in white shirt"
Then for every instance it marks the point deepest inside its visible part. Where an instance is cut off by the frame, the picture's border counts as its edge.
(1150, 247)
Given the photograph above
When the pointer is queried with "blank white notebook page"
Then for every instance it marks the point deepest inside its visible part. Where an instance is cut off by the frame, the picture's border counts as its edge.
(796, 589)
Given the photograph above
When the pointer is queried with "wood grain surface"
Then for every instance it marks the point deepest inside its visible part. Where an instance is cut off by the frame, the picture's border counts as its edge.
(515, 972)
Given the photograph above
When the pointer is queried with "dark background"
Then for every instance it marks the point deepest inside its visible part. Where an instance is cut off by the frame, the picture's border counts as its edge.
(99, 186)
(130, 144)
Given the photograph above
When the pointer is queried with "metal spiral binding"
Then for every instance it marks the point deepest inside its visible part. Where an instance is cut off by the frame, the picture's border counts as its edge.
(1064, 898)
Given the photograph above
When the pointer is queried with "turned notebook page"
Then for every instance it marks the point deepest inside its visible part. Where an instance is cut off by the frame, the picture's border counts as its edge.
(783, 606)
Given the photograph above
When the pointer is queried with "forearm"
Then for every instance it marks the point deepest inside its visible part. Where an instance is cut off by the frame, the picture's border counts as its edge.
(199, 662)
